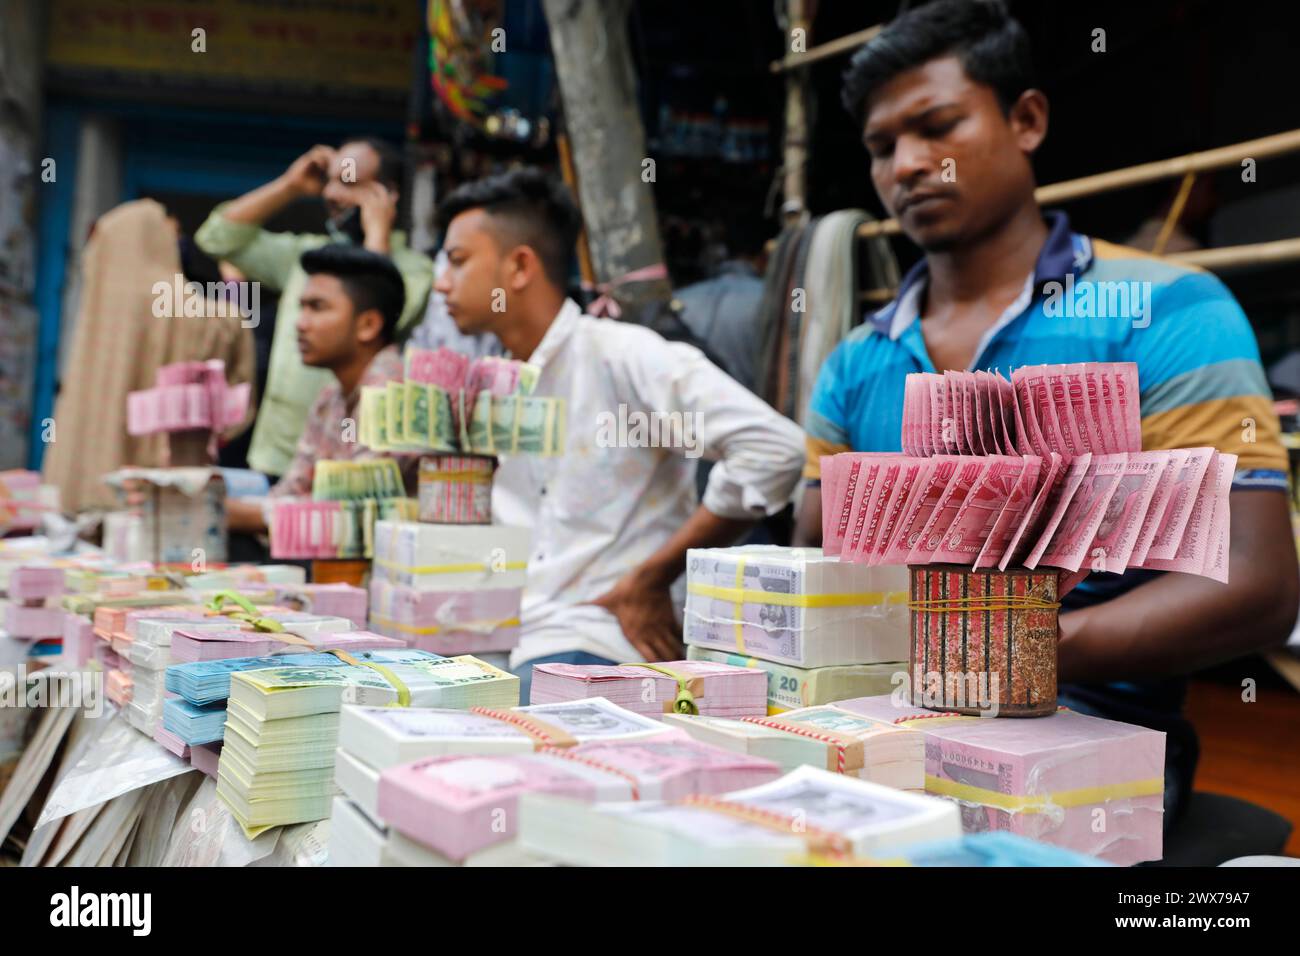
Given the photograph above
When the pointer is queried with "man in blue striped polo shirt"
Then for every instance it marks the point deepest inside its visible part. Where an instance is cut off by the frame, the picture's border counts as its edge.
(951, 120)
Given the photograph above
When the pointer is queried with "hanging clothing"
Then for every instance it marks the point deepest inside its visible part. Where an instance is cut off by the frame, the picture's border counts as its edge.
(118, 345)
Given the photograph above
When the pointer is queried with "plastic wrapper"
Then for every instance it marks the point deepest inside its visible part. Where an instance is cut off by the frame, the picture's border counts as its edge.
(795, 606)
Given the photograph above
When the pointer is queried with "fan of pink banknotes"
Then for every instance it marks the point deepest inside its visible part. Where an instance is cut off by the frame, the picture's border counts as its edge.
(186, 396)
(1044, 469)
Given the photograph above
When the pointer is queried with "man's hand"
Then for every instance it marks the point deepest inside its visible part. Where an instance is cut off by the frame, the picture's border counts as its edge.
(645, 613)
(307, 175)
(378, 213)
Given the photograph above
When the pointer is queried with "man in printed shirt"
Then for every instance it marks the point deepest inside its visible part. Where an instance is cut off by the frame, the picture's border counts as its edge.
(611, 525)
(358, 183)
(948, 86)
(347, 317)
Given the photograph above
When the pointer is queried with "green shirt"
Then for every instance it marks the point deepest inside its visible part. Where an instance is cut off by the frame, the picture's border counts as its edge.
(291, 387)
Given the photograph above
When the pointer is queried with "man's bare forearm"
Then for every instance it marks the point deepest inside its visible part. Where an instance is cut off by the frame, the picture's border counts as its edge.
(245, 514)
(808, 523)
(262, 203)
(1180, 623)
(703, 529)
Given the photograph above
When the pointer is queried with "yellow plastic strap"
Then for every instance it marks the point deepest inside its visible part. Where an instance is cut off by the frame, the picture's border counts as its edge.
(459, 477)
(449, 568)
(739, 595)
(684, 702)
(1038, 803)
(403, 692)
(437, 629)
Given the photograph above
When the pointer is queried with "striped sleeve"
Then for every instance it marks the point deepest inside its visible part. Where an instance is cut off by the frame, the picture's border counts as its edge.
(1202, 382)
(826, 423)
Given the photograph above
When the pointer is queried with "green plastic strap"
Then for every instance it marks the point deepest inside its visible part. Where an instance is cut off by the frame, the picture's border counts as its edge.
(247, 613)
(684, 702)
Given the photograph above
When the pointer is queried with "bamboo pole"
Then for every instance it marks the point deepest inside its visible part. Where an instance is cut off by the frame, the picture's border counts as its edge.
(795, 145)
(792, 61)
(1262, 148)
(1225, 259)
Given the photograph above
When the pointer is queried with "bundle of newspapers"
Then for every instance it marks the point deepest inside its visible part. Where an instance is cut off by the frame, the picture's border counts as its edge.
(348, 497)
(448, 402)
(1046, 468)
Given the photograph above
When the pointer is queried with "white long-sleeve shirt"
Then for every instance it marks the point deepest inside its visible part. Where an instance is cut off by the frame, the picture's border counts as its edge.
(612, 499)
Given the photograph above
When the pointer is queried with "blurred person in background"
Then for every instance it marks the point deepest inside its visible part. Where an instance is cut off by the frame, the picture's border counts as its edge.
(119, 342)
(359, 184)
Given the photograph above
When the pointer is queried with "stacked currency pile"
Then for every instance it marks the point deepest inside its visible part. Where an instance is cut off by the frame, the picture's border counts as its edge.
(1051, 779)
(336, 599)
(348, 497)
(825, 737)
(790, 687)
(818, 627)
(673, 687)
(277, 758)
(186, 396)
(1044, 469)
(449, 403)
(146, 647)
(374, 739)
(34, 610)
(807, 811)
(449, 588)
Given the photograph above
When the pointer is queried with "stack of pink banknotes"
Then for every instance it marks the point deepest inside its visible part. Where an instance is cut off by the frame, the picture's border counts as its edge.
(199, 645)
(714, 690)
(458, 805)
(34, 611)
(329, 600)
(186, 396)
(447, 622)
(1044, 469)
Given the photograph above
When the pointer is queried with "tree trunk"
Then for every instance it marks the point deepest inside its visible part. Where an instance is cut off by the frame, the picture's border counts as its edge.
(593, 63)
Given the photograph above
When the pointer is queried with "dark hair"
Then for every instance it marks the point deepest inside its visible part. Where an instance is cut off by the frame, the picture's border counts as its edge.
(392, 166)
(370, 280)
(993, 48)
(537, 209)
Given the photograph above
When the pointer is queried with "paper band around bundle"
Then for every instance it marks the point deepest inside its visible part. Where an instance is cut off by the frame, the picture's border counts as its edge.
(542, 733)
(403, 692)
(456, 489)
(983, 643)
(847, 754)
(818, 840)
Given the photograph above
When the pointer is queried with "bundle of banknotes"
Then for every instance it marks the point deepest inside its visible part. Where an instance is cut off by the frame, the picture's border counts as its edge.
(187, 395)
(450, 557)
(336, 599)
(351, 480)
(1051, 779)
(333, 529)
(34, 583)
(1064, 484)
(415, 417)
(806, 811)
(790, 687)
(373, 739)
(672, 687)
(467, 621)
(459, 805)
(795, 606)
(277, 756)
(456, 489)
(826, 737)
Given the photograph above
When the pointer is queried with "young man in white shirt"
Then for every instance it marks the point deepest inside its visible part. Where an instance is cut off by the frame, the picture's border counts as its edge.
(613, 516)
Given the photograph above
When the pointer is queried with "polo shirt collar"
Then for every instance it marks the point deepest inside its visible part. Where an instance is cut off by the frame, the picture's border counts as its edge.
(1064, 252)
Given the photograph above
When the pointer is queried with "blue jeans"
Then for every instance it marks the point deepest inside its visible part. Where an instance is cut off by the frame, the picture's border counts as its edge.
(525, 670)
